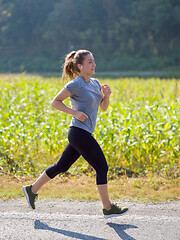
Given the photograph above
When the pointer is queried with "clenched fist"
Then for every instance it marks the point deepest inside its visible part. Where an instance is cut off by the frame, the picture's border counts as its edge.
(106, 90)
(80, 116)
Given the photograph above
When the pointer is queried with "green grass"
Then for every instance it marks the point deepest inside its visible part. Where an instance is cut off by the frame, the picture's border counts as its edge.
(139, 133)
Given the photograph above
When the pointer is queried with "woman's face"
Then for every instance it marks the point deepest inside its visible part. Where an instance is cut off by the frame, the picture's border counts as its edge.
(88, 65)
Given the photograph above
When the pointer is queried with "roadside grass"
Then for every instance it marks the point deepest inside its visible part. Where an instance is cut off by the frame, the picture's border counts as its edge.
(83, 188)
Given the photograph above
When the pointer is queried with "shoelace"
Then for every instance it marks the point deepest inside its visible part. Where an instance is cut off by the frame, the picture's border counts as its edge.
(115, 205)
(36, 197)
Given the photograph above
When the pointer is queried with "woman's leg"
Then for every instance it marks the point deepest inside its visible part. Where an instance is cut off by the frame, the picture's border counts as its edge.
(88, 147)
(103, 192)
(68, 157)
(40, 182)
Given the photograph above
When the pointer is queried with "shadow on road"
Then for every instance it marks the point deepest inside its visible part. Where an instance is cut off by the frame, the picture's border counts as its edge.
(40, 225)
(120, 230)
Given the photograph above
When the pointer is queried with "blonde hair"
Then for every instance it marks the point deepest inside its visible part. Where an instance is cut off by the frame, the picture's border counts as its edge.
(70, 66)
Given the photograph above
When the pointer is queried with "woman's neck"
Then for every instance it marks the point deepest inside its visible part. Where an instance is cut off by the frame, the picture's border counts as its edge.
(85, 77)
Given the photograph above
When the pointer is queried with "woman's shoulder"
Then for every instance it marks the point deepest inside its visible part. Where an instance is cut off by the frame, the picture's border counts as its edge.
(75, 82)
(74, 86)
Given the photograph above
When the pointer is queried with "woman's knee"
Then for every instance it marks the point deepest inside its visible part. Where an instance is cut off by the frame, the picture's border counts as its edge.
(101, 175)
(55, 169)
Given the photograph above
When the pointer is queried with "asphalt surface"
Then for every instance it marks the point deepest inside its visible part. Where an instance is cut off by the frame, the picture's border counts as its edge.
(56, 219)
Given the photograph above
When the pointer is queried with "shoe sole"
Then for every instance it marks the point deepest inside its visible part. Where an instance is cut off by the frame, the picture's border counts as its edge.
(115, 215)
(27, 196)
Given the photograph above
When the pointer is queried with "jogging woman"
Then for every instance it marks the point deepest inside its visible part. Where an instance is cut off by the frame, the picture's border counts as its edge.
(86, 95)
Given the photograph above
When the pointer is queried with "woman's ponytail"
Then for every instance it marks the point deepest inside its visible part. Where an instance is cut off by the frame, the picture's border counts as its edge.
(68, 67)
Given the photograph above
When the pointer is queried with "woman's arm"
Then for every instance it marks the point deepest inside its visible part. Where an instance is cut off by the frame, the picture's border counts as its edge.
(105, 97)
(58, 104)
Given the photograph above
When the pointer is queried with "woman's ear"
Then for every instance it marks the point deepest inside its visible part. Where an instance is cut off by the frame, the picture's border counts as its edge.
(80, 66)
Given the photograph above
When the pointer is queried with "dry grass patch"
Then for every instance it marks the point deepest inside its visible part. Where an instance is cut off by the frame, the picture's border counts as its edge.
(154, 189)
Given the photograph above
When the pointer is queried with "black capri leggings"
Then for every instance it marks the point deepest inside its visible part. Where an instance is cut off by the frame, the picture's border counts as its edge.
(80, 143)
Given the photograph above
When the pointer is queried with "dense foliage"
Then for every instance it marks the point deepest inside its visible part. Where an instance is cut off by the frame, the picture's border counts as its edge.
(139, 133)
(122, 34)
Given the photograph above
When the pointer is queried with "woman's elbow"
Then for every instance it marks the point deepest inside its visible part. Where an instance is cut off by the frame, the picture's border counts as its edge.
(53, 103)
(103, 108)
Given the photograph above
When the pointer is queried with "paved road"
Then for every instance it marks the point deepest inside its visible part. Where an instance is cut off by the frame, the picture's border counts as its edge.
(83, 220)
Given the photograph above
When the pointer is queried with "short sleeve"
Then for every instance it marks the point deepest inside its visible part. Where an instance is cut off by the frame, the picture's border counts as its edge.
(72, 87)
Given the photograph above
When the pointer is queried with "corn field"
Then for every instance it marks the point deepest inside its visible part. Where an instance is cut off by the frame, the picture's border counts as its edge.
(139, 133)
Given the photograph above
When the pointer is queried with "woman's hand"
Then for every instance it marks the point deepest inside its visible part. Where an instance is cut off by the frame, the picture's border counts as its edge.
(106, 90)
(80, 116)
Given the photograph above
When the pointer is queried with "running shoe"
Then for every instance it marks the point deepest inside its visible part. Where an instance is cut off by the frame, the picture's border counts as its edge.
(30, 196)
(115, 211)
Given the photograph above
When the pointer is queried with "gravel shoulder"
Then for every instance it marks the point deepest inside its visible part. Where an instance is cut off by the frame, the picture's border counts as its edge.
(57, 219)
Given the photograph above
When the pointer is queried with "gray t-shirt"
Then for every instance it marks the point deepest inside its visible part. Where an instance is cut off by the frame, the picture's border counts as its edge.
(85, 97)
